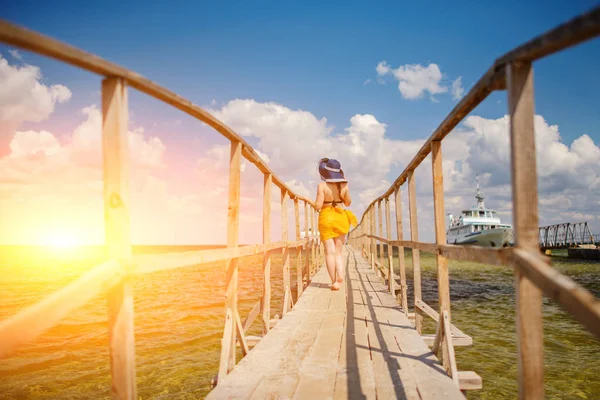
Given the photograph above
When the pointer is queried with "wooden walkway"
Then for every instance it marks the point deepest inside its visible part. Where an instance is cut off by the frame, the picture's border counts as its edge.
(355, 343)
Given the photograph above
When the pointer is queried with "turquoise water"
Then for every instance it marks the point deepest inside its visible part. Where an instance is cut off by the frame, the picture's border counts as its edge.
(179, 317)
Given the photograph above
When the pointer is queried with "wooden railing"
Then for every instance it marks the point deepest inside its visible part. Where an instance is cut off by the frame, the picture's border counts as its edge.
(115, 275)
(533, 274)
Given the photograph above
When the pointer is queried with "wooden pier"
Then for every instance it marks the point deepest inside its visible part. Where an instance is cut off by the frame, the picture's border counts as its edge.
(355, 343)
(359, 342)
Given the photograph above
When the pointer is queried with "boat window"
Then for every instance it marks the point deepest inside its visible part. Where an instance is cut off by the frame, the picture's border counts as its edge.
(473, 213)
(495, 214)
(482, 213)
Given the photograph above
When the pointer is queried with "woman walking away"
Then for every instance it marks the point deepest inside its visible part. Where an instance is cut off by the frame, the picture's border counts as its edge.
(334, 220)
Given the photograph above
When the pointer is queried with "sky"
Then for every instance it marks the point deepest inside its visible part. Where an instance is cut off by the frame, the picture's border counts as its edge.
(365, 83)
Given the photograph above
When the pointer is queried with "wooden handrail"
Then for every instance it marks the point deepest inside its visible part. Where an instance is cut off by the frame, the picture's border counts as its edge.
(534, 275)
(29, 40)
(575, 31)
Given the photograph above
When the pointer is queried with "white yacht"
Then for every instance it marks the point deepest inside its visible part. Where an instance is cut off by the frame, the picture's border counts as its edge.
(479, 226)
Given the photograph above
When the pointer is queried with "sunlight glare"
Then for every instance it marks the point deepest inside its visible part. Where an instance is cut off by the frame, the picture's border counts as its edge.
(61, 242)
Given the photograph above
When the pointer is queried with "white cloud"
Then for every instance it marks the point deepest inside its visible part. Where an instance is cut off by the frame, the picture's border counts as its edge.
(16, 54)
(457, 89)
(383, 68)
(23, 98)
(414, 80)
(294, 141)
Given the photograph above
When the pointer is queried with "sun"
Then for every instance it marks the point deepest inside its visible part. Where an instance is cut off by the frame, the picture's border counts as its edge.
(61, 242)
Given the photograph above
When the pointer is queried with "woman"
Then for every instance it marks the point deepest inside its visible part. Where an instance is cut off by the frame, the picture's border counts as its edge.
(334, 221)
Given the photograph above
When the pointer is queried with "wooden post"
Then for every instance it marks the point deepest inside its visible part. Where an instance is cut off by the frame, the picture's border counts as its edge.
(401, 260)
(286, 251)
(388, 230)
(228, 348)
(416, 255)
(312, 242)
(266, 298)
(298, 251)
(372, 232)
(440, 238)
(380, 234)
(118, 236)
(306, 247)
(525, 200)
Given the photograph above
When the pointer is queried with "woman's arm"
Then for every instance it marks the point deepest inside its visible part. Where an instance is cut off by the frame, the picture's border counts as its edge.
(320, 197)
(346, 195)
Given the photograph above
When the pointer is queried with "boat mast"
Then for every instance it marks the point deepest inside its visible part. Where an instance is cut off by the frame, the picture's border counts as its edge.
(479, 196)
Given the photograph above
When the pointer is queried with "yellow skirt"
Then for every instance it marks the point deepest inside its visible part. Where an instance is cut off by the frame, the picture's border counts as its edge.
(335, 221)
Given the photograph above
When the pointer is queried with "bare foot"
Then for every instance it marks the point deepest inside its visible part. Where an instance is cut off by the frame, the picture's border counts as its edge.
(335, 286)
(340, 279)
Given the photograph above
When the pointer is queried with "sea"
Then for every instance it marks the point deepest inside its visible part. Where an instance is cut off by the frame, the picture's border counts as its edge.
(179, 317)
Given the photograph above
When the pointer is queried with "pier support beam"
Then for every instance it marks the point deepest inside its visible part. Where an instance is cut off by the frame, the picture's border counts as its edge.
(525, 200)
(118, 236)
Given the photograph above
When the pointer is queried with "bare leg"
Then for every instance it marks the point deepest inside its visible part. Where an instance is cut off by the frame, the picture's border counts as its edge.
(339, 260)
(329, 246)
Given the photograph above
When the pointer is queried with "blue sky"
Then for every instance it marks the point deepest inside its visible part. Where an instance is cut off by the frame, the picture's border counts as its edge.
(322, 58)
(316, 56)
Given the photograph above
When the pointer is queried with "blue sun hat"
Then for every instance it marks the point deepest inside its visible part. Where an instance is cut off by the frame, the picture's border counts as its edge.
(331, 171)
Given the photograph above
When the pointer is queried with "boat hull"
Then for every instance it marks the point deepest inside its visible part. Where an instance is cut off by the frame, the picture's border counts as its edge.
(497, 237)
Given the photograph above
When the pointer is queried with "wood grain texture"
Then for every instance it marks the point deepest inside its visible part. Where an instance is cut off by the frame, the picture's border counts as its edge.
(414, 236)
(525, 225)
(115, 149)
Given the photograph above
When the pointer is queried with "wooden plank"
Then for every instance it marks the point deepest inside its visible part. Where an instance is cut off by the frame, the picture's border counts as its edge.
(251, 316)
(267, 358)
(118, 236)
(315, 216)
(341, 389)
(307, 262)
(525, 205)
(286, 252)
(388, 229)
(319, 369)
(431, 380)
(440, 238)
(435, 316)
(299, 285)
(228, 333)
(373, 232)
(158, 262)
(416, 360)
(462, 341)
(266, 233)
(414, 236)
(570, 33)
(313, 264)
(251, 341)
(402, 261)
(379, 231)
(356, 379)
(240, 334)
(449, 353)
(469, 380)
(233, 218)
(36, 319)
(282, 382)
(385, 364)
(485, 255)
(578, 301)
